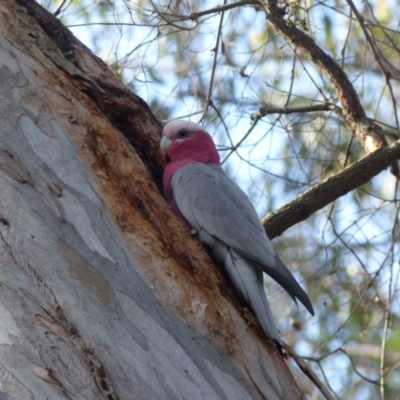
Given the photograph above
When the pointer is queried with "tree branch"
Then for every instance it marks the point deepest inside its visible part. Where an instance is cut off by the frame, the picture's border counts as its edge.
(388, 69)
(214, 66)
(365, 130)
(195, 15)
(328, 191)
(309, 372)
(264, 110)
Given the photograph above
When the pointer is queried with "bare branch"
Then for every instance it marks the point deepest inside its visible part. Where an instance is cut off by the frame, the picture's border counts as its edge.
(309, 372)
(328, 191)
(164, 17)
(59, 9)
(388, 69)
(214, 66)
(224, 7)
(355, 369)
(366, 131)
(239, 143)
(264, 110)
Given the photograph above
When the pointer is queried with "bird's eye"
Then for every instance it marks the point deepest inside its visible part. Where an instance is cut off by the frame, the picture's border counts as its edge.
(183, 133)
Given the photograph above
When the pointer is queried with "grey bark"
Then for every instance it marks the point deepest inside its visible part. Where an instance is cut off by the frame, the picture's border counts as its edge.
(103, 293)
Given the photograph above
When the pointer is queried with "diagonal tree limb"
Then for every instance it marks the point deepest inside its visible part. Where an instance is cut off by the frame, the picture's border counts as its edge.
(329, 190)
(368, 132)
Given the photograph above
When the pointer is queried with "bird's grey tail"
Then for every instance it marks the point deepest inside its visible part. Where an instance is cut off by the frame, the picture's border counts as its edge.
(249, 281)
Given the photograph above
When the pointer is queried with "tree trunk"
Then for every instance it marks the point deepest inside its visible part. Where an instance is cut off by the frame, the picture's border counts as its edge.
(103, 293)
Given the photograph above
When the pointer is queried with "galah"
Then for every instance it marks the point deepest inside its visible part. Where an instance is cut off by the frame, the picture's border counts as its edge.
(213, 206)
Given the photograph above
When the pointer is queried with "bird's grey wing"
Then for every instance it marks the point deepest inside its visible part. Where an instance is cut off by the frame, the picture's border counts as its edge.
(209, 200)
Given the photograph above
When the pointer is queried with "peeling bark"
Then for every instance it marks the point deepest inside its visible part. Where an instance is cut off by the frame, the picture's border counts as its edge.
(103, 293)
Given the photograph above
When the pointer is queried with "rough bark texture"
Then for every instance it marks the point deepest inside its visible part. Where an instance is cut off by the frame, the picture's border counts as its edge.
(103, 293)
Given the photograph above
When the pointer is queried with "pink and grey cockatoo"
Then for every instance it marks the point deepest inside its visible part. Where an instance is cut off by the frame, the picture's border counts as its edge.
(206, 200)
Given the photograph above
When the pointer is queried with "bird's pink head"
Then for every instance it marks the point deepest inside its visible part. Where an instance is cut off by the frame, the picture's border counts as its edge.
(186, 142)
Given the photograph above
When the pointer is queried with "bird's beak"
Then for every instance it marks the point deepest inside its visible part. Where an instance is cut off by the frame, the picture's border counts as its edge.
(165, 142)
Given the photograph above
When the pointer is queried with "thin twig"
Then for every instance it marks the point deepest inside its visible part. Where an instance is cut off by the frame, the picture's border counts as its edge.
(291, 79)
(214, 66)
(387, 68)
(368, 133)
(363, 377)
(59, 9)
(238, 144)
(387, 312)
(308, 372)
(382, 355)
(347, 154)
(165, 18)
(345, 41)
(218, 9)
